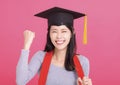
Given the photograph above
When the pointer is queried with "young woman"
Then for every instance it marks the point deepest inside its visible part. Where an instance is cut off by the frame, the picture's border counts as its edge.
(61, 42)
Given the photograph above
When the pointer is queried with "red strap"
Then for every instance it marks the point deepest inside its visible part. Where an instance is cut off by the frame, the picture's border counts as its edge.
(78, 67)
(45, 68)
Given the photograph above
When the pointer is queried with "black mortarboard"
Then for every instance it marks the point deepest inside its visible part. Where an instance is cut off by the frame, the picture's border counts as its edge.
(60, 16)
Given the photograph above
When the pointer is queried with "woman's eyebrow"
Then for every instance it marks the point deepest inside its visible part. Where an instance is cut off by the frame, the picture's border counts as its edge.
(53, 29)
(64, 29)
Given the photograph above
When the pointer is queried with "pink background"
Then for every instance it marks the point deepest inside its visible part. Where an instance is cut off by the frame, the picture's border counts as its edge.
(103, 48)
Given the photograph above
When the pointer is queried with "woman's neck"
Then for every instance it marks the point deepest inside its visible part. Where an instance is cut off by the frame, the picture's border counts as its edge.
(58, 58)
(59, 54)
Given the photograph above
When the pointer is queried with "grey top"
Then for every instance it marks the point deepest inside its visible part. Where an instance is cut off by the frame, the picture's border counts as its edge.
(56, 76)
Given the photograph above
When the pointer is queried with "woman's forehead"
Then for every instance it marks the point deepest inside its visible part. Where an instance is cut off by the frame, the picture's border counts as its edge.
(59, 27)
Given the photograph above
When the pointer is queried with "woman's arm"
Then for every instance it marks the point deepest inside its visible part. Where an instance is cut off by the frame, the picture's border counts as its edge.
(22, 70)
(86, 68)
(26, 71)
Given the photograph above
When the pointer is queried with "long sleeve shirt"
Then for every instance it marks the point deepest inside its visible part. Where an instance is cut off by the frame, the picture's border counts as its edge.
(56, 76)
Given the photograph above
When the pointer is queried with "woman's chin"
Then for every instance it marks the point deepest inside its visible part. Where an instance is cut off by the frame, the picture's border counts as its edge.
(60, 48)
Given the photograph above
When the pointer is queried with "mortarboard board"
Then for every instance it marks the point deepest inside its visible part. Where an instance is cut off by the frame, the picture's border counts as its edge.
(60, 16)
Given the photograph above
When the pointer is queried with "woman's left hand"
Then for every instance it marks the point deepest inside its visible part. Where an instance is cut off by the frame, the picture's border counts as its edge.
(84, 81)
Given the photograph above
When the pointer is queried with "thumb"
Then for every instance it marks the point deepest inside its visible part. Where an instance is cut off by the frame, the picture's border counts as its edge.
(79, 81)
(33, 34)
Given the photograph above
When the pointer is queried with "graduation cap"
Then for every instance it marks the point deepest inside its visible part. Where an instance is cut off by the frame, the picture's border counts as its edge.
(60, 16)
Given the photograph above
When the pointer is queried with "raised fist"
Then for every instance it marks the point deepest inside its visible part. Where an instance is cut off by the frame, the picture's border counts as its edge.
(28, 39)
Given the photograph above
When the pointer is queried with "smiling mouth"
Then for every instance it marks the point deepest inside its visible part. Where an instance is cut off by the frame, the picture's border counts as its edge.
(59, 42)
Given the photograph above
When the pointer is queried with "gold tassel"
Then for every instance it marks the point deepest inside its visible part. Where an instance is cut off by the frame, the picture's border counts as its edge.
(85, 31)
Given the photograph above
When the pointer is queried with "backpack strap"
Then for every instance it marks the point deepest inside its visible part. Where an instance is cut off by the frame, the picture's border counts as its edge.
(45, 68)
(78, 67)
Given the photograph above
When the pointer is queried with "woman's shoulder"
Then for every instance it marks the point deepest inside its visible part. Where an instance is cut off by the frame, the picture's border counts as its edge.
(40, 52)
(83, 59)
(39, 55)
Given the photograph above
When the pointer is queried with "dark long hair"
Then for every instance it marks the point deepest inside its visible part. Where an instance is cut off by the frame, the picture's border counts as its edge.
(71, 49)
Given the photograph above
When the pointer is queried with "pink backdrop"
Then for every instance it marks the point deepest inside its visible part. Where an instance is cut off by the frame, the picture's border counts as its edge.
(103, 48)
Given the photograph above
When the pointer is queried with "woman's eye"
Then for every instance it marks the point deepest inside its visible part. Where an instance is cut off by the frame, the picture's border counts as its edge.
(64, 31)
(54, 32)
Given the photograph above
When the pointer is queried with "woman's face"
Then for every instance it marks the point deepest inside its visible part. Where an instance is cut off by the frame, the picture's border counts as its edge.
(60, 36)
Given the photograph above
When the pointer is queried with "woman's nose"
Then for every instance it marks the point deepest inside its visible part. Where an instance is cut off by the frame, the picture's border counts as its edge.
(59, 35)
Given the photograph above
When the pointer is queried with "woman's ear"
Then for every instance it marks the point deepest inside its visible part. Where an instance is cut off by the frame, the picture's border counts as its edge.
(72, 34)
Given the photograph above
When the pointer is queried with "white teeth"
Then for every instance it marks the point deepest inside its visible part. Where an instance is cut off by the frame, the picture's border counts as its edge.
(60, 41)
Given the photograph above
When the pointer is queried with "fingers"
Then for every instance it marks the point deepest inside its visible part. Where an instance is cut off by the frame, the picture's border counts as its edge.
(28, 38)
(29, 33)
(84, 81)
(87, 81)
(79, 81)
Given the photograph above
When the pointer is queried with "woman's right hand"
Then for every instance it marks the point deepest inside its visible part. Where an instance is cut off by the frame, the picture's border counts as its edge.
(28, 39)
(84, 81)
